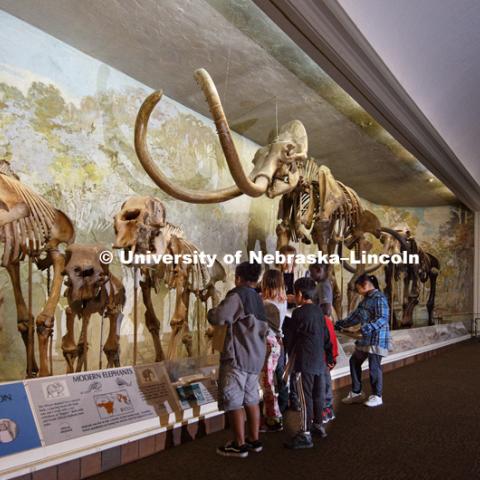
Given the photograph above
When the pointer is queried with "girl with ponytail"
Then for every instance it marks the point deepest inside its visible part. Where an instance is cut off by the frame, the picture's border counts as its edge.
(372, 314)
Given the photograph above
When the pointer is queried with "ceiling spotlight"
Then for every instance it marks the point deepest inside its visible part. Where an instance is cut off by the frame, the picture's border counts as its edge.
(430, 180)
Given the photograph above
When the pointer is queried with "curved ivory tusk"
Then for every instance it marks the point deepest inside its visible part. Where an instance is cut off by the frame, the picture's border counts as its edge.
(245, 184)
(143, 153)
(346, 265)
(368, 270)
(395, 235)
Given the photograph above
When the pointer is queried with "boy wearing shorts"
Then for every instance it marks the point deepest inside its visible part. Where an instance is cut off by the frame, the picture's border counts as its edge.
(242, 359)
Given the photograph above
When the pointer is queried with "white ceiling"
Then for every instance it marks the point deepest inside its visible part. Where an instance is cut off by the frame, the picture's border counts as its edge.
(161, 43)
(433, 48)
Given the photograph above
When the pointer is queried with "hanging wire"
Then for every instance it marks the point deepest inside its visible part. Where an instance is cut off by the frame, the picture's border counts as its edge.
(101, 341)
(199, 324)
(229, 55)
(169, 304)
(246, 112)
(276, 117)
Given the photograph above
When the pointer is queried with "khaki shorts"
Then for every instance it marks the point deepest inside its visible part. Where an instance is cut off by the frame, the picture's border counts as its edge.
(236, 389)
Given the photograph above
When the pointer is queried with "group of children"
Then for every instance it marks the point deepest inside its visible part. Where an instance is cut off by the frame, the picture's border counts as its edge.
(289, 356)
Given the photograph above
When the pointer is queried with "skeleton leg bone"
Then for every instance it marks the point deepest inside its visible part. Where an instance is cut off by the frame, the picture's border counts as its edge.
(45, 320)
(187, 338)
(13, 270)
(180, 316)
(111, 347)
(431, 297)
(69, 346)
(151, 320)
(83, 345)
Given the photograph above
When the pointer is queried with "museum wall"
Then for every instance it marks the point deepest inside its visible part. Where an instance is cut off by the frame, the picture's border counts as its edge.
(66, 128)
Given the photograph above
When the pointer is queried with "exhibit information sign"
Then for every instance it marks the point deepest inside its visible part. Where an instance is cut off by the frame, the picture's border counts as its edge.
(156, 390)
(79, 404)
(198, 393)
(17, 426)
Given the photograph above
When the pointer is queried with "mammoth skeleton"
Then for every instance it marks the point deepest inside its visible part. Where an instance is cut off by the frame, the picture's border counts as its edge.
(91, 288)
(30, 226)
(410, 275)
(276, 166)
(141, 227)
(324, 211)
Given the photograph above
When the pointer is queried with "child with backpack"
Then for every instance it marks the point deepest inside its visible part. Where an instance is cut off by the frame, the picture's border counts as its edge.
(242, 359)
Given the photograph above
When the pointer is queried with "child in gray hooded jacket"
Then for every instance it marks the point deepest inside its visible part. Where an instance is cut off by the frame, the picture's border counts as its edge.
(242, 359)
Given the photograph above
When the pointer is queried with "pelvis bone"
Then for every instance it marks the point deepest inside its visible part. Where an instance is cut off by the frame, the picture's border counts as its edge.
(276, 165)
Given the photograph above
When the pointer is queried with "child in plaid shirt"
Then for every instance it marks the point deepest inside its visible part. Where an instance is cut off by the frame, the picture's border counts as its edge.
(373, 316)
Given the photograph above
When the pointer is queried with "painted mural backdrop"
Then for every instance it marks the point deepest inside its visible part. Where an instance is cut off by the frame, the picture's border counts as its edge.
(448, 234)
(66, 128)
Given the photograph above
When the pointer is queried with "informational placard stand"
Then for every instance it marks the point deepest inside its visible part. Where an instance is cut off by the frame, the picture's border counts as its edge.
(157, 391)
(71, 406)
(18, 431)
(198, 397)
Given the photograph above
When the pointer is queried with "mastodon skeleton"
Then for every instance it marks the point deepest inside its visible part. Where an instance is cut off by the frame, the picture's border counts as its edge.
(324, 211)
(140, 226)
(30, 226)
(409, 275)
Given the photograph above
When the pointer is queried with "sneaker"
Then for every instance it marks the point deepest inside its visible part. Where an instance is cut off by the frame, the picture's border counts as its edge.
(330, 415)
(319, 430)
(273, 427)
(324, 415)
(231, 449)
(327, 415)
(374, 401)
(254, 445)
(353, 397)
(300, 440)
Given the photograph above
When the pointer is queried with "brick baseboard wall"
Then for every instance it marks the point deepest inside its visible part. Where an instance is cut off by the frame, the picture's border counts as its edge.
(99, 462)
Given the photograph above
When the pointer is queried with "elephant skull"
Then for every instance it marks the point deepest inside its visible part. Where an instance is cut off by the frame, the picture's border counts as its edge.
(140, 225)
(85, 274)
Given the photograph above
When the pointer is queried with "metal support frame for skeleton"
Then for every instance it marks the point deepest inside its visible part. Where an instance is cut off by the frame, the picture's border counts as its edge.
(91, 288)
(30, 226)
(397, 241)
(324, 211)
(141, 227)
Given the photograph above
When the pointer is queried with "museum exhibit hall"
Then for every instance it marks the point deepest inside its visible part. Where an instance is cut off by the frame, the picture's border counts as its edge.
(239, 239)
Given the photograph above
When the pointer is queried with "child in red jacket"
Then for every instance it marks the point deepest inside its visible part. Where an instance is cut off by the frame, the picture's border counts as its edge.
(328, 414)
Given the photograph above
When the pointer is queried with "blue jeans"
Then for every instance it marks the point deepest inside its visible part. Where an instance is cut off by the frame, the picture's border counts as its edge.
(282, 387)
(375, 368)
(328, 399)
